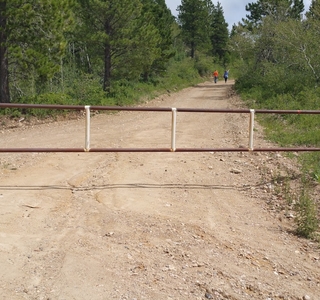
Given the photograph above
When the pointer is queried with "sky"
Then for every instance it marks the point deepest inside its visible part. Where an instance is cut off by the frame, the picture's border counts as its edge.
(234, 10)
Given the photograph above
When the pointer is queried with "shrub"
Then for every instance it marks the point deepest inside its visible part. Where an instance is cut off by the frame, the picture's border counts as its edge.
(306, 219)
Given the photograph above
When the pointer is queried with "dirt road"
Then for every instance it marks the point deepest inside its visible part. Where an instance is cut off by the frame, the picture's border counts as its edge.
(149, 225)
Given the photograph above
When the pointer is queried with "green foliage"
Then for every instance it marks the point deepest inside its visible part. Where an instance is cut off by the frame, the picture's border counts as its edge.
(282, 74)
(35, 41)
(125, 38)
(203, 28)
(163, 21)
(182, 73)
(306, 219)
(204, 65)
(241, 47)
(306, 216)
(194, 19)
(96, 51)
(219, 33)
(311, 161)
(276, 9)
(314, 11)
(46, 99)
(280, 68)
(86, 90)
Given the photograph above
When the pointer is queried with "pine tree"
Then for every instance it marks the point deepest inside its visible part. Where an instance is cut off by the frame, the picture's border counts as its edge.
(121, 35)
(194, 19)
(297, 8)
(4, 74)
(31, 40)
(280, 10)
(314, 10)
(220, 35)
(163, 21)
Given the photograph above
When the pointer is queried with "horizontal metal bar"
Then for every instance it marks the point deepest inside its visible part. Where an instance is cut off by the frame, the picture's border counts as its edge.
(82, 107)
(245, 149)
(286, 149)
(4, 150)
(130, 150)
(163, 109)
(297, 112)
(45, 106)
(7, 150)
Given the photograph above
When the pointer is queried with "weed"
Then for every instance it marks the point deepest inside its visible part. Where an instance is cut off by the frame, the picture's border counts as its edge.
(306, 218)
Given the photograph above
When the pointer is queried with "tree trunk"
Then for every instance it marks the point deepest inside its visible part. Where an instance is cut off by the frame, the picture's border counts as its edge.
(107, 59)
(193, 50)
(4, 78)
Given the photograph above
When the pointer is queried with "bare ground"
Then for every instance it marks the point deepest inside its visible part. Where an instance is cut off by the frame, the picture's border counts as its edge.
(149, 225)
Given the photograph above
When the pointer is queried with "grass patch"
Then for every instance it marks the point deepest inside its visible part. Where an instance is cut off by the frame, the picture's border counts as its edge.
(294, 130)
(306, 219)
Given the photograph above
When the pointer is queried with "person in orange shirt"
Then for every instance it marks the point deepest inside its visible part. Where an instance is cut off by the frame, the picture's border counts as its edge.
(215, 76)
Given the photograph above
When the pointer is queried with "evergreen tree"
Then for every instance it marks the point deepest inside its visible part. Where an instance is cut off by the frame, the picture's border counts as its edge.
(297, 9)
(163, 21)
(4, 73)
(314, 10)
(220, 34)
(31, 42)
(279, 9)
(120, 35)
(194, 19)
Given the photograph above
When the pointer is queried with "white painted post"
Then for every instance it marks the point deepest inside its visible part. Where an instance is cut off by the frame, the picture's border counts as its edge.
(251, 128)
(173, 129)
(87, 137)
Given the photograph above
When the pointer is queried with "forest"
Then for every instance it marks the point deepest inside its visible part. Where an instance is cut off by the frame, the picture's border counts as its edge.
(115, 52)
(99, 52)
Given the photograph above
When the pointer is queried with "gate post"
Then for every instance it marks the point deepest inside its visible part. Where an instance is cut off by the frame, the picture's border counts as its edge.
(251, 127)
(87, 134)
(173, 129)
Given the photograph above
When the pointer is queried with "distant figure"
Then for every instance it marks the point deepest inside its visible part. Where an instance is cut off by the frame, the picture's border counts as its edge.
(226, 75)
(215, 76)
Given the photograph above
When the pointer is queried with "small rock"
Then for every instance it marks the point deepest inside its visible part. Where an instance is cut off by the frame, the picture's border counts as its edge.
(306, 297)
(236, 171)
(208, 296)
(290, 216)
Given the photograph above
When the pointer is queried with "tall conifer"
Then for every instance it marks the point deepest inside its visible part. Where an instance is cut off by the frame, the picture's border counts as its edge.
(31, 40)
(122, 35)
(194, 20)
(220, 34)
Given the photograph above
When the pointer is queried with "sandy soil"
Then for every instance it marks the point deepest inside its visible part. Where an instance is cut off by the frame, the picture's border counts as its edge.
(149, 225)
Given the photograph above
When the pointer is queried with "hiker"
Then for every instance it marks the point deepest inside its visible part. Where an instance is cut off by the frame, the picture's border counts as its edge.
(226, 75)
(215, 76)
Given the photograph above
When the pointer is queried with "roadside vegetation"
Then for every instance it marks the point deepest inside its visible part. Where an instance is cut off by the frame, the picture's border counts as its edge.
(278, 68)
(85, 52)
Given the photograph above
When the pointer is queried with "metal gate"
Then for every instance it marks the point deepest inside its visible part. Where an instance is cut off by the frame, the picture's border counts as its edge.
(172, 147)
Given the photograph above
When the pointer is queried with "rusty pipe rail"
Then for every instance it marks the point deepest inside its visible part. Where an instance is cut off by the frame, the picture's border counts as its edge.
(154, 150)
(174, 111)
(168, 109)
